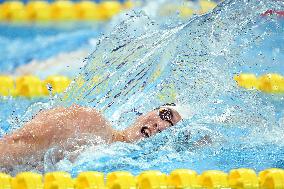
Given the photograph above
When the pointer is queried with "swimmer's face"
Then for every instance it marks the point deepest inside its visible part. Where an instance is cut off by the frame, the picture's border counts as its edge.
(151, 123)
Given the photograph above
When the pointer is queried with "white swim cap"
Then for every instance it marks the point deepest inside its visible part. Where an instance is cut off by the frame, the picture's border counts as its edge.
(184, 111)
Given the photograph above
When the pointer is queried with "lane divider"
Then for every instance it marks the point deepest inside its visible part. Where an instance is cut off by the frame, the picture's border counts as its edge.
(178, 179)
(62, 10)
(32, 86)
(269, 83)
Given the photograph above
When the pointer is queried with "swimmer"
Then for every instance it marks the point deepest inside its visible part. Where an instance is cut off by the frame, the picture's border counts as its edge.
(55, 126)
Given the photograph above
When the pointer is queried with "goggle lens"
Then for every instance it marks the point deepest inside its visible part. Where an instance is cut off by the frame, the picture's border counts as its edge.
(166, 115)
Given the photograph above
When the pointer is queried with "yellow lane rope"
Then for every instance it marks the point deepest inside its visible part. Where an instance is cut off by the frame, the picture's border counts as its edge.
(178, 179)
(32, 86)
(62, 10)
(269, 83)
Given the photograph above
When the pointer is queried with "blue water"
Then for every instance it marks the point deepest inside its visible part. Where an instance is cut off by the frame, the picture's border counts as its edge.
(192, 63)
(22, 43)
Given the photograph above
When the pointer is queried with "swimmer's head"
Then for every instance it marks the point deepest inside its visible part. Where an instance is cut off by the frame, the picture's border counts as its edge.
(152, 123)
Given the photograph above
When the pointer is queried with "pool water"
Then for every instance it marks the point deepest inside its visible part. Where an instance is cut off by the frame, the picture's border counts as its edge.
(192, 63)
(21, 43)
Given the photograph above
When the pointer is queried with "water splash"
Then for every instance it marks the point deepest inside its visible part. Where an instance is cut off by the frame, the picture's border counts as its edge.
(139, 68)
(192, 63)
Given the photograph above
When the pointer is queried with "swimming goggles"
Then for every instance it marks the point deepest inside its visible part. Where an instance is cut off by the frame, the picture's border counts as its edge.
(165, 114)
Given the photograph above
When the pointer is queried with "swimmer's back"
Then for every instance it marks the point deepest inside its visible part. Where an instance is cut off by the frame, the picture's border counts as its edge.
(53, 127)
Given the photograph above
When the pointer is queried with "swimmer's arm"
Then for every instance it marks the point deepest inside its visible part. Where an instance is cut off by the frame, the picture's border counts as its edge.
(16, 145)
(99, 124)
(12, 153)
(32, 133)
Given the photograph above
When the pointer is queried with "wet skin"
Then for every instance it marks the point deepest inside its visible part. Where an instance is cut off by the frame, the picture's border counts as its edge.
(55, 126)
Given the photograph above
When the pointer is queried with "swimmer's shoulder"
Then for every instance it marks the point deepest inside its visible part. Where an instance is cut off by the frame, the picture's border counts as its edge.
(89, 113)
(78, 109)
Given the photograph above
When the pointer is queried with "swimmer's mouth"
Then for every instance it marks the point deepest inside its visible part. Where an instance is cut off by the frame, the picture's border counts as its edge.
(166, 114)
(145, 131)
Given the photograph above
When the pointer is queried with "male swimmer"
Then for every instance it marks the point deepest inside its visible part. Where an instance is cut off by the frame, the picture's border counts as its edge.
(55, 126)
